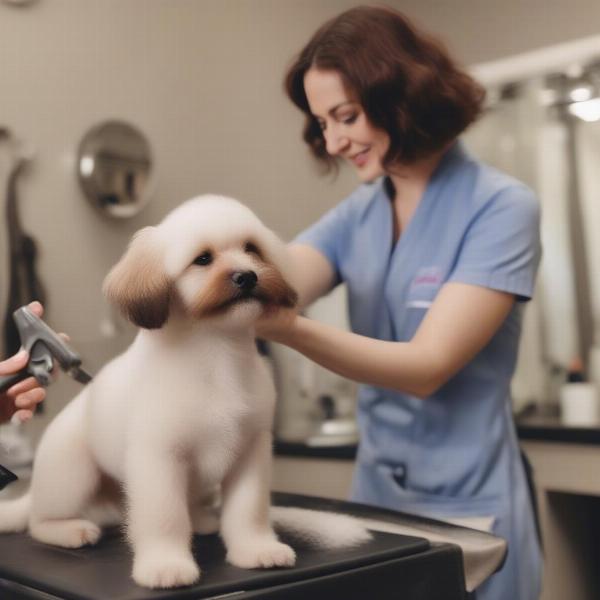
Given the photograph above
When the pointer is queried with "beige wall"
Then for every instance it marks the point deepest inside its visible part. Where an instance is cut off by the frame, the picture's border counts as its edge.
(202, 79)
(482, 30)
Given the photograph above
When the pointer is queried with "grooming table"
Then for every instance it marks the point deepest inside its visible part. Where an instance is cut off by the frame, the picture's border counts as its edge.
(392, 565)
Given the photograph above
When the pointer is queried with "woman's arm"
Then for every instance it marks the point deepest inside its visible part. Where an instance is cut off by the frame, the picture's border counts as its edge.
(459, 323)
(314, 275)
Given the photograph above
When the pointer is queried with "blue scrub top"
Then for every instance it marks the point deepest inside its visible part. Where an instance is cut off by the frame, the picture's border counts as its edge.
(454, 454)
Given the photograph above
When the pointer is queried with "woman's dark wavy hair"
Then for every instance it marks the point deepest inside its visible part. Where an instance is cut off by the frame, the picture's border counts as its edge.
(405, 80)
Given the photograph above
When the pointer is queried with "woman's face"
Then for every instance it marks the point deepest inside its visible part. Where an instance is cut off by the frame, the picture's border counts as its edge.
(344, 124)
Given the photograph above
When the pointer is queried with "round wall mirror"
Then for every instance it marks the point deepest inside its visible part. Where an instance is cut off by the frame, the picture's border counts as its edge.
(114, 166)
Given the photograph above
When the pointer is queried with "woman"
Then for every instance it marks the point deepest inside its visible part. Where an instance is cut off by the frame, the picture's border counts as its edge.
(439, 252)
(22, 398)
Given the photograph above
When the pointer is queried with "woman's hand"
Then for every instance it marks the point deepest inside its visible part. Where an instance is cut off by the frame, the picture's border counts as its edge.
(22, 398)
(276, 324)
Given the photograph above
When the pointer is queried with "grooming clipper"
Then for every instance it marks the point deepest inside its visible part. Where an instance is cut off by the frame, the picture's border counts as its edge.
(44, 347)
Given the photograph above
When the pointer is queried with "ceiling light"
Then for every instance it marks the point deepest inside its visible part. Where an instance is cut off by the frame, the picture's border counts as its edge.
(588, 110)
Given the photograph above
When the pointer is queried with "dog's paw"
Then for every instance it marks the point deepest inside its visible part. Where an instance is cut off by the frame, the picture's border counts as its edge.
(164, 571)
(71, 533)
(261, 554)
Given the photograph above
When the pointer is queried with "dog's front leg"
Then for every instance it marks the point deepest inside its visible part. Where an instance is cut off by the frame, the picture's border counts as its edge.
(159, 527)
(245, 527)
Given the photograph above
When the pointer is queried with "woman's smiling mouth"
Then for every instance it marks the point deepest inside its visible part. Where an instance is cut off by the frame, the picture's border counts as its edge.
(361, 158)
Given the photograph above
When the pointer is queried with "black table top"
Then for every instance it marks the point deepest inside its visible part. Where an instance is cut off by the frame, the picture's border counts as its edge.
(102, 572)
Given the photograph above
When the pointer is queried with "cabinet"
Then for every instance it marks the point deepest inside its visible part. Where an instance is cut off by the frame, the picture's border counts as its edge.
(328, 478)
(567, 478)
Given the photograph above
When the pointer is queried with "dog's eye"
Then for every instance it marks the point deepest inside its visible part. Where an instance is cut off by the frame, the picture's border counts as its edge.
(252, 248)
(203, 259)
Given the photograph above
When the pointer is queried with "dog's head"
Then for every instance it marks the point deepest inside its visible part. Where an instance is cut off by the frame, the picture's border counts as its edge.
(211, 256)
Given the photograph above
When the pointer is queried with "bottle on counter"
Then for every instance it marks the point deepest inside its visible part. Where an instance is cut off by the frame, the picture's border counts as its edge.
(579, 404)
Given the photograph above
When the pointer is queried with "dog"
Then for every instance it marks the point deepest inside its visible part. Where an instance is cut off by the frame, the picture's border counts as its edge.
(185, 414)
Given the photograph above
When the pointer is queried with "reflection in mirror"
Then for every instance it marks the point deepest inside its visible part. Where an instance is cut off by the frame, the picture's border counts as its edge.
(546, 132)
(114, 167)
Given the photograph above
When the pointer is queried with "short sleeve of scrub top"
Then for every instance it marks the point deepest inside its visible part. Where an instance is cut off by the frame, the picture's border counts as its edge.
(500, 248)
(333, 232)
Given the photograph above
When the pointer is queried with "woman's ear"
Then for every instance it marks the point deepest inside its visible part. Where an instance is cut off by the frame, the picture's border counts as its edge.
(138, 284)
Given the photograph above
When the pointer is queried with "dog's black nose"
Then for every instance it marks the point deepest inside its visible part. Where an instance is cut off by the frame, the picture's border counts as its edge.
(245, 280)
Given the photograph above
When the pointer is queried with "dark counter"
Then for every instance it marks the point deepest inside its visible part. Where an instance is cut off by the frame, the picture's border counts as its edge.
(546, 426)
(299, 449)
(532, 425)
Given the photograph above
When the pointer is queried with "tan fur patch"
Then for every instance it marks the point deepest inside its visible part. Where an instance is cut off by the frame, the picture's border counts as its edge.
(217, 292)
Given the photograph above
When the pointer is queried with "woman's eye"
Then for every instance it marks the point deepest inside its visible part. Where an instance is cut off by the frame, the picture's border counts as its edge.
(252, 248)
(203, 259)
(349, 120)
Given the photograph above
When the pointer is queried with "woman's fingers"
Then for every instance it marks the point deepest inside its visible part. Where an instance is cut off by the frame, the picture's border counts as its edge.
(36, 308)
(14, 363)
(30, 399)
(23, 386)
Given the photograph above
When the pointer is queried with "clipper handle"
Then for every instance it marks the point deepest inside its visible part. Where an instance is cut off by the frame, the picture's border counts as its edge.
(44, 346)
(41, 342)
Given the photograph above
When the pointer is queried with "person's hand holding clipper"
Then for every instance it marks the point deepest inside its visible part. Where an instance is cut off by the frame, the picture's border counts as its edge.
(24, 376)
(20, 400)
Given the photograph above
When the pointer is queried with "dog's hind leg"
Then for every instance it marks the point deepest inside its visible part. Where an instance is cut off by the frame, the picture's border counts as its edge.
(245, 527)
(65, 477)
(159, 525)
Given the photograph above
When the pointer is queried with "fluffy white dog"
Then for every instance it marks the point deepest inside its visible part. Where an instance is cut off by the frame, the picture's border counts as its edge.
(186, 409)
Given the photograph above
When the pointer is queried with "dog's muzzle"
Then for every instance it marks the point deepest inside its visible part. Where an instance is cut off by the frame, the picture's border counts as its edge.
(240, 287)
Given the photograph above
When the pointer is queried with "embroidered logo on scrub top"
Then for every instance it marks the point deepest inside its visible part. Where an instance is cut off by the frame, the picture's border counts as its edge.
(424, 287)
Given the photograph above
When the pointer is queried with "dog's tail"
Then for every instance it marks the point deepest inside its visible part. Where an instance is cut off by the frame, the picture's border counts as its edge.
(14, 514)
(320, 528)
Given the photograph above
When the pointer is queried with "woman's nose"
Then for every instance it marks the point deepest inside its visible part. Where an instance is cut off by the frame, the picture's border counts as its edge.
(335, 142)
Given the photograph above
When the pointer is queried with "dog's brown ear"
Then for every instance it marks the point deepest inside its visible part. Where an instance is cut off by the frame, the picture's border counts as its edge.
(138, 284)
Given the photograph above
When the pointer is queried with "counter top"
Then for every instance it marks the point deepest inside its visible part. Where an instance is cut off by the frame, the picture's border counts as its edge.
(300, 449)
(532, 424)
(545, 425)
